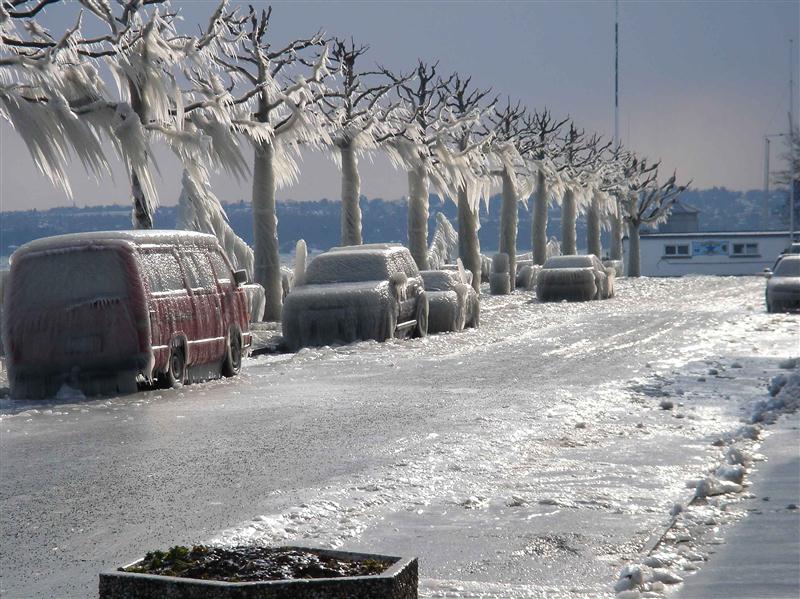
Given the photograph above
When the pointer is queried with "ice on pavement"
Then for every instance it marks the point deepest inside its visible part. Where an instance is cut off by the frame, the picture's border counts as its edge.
(537, 461)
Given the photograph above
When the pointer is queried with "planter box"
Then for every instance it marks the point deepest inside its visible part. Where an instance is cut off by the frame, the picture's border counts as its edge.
(399, 581)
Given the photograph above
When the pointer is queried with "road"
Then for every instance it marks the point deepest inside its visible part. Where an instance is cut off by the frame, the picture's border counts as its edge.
(528, 458)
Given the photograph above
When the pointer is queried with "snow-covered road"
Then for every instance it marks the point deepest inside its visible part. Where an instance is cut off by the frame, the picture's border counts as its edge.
(532, 457)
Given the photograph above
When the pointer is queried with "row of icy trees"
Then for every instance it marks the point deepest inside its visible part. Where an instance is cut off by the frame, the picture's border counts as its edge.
(206, 95)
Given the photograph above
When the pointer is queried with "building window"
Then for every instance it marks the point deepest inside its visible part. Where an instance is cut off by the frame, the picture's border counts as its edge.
(677, 250)
(744, 249)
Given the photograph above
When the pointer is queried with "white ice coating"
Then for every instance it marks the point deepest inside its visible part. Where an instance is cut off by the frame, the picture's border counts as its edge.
(444, 246)
(576, 278)
(348, 295)
(453, 303)
(200, 210)
(300, 262)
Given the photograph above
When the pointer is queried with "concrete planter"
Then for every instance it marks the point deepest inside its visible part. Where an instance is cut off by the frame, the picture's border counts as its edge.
(399, 581)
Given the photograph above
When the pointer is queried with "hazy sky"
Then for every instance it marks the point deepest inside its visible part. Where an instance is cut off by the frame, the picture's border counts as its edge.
(700, 82)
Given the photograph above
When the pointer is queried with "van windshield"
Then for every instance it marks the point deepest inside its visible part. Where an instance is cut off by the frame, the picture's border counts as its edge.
(65, 279)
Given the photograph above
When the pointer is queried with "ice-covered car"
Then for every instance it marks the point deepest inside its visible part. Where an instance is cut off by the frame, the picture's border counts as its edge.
(783, 285)
(356, 293)
(99, 311)
(453, 302)
(574, 278)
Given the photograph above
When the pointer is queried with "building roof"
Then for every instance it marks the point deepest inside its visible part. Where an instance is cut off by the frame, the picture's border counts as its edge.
(703, 234)
(681, 207)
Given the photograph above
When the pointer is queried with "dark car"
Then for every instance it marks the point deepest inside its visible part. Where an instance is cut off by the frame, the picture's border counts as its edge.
(783, 285)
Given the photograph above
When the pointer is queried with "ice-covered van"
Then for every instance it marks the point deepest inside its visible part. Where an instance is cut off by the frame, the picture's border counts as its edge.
(101, 311)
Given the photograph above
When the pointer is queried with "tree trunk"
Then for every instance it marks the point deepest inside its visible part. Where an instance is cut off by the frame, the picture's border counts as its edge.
(569, 216)
(265, 231)
(616, 236)
(634, 257)
(539, 225)
(418, 216)
(469, 249)
(351, 191)
(141, 215)
(593, 229)
(508, 227)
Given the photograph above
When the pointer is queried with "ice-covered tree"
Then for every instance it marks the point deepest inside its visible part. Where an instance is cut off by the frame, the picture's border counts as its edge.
(412, 146)
(507, 148)
(466, 162)
(579, 160)
(603, 211)
(52, 89)
(200, 210)
(646, 202)
(277, 113)
(544, 130)
(358, 124)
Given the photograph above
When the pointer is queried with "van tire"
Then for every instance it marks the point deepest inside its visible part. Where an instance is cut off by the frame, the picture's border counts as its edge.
(175, 374)
(421, 316)
(232, 361)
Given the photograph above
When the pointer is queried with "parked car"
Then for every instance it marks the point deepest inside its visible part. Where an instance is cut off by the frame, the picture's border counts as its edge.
(793, 248)
(101, 311)
(453, 302)
(356, 293)
(574, 278)
(783, 285)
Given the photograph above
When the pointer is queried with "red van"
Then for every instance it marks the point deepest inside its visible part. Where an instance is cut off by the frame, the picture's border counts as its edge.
(103, 311)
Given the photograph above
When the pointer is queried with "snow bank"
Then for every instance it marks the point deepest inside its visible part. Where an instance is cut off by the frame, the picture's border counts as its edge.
(785, 398)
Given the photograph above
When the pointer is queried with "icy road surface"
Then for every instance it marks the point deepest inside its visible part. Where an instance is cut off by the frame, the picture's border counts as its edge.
(530, 458)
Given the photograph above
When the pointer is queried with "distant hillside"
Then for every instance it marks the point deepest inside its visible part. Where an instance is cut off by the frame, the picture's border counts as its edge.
(318, 222)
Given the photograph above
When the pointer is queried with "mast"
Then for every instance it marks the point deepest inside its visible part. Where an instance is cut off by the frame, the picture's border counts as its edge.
(792, 174)
(616, 72)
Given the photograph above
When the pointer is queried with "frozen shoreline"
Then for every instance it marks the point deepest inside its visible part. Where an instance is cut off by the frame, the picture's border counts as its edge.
(532, 457)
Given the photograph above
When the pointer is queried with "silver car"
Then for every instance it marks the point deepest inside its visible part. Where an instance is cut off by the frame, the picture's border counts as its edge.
(783, 285)
(574, 278)
(454, 305)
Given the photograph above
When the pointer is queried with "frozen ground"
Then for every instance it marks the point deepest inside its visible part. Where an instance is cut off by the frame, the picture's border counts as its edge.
(536, 456)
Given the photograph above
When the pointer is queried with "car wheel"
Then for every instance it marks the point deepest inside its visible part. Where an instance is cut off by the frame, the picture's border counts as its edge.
(421, 316)
(232, 363)
(391, 322)
(175, 374)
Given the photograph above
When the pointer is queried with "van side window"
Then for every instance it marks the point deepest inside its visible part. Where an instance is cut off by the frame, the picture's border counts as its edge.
(198, 271)
(221, 268)
(163, 271)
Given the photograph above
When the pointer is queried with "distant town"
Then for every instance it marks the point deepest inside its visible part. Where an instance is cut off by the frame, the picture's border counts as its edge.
(317, 222)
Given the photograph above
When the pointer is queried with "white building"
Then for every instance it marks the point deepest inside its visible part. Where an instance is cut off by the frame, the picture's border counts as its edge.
(733, 253)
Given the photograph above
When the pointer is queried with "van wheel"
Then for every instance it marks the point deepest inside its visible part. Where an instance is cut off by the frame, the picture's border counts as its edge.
(232, 362)
(175, 375)
(421, 328)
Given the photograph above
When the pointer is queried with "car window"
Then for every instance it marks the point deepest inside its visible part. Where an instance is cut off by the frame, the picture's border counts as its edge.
(162, 270)
(198, 271)
(348, 267)
(787, 268)
(221, 268)
(67, 278)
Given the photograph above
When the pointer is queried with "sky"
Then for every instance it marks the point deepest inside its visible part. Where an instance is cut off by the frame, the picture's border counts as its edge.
(701, 83)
